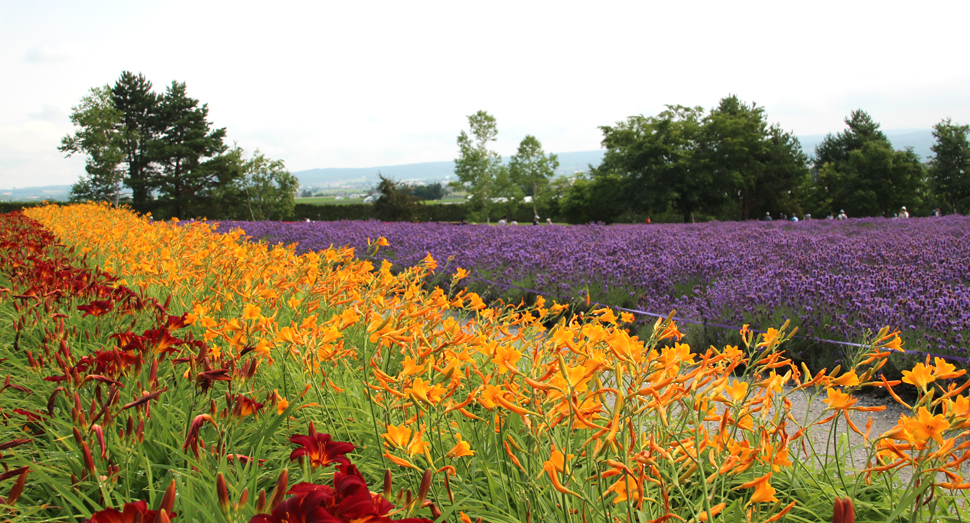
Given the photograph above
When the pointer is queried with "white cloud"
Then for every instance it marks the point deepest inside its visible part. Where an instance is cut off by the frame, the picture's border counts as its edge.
(50, 54)
(49, 113)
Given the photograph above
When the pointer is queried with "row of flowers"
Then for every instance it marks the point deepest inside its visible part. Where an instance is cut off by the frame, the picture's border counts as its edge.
(508, 412)
(80, 361)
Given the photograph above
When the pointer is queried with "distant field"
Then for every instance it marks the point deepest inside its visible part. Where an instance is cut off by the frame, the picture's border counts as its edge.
(330, 200)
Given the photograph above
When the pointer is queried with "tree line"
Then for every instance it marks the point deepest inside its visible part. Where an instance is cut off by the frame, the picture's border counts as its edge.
(159, 151)
(728, 163)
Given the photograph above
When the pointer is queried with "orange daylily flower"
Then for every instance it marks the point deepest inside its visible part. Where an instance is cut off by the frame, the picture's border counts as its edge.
(556, 462)
(474, 301)
(397, 436)
(920, 376)
(461, 449)
(946, 371)
(288, 335)
(430, 262)
(715, 510)
(562, 336)
(926, 426)
(488, 395)
(839, 400)
(347, 318)
(425, 392)
(251, 312)
(736, 392)
(411, 367)
(625, 488)
(769, 338)
(849, 379)
(763, 491)
(505, 354)
(606, 315)
(418, 445)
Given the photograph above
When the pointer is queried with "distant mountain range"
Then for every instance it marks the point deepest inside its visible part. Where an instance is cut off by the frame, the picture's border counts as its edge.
(27, 194)
(430, 172)
(569, 163)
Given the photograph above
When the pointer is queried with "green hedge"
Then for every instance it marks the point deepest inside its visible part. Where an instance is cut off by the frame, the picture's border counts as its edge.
(363, 211)
(6, 207)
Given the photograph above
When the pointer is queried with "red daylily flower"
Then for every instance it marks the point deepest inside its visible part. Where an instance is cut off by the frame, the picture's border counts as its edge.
(162, 341)
(321, 449)
(132, 513)
(349, 501)
(130, 341)
(96, 308)
(205, 379)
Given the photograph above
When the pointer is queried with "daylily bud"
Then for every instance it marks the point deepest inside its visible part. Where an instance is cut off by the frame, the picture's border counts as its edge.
(424, 488)
(168, 500)
(88, 460)
(280, 490)
(153, 374)
(222, 492)
(18, 488)
(140, 431)
(261, 501)
(387, 484)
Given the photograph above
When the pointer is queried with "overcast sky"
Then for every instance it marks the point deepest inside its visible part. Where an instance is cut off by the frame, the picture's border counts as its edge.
(362, 84)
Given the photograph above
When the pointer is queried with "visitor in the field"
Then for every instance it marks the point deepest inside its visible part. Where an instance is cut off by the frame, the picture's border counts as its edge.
(903, 213)
(767, 217)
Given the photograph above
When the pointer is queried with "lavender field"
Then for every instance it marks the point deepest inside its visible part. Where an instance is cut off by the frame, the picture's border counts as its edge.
(834, 280)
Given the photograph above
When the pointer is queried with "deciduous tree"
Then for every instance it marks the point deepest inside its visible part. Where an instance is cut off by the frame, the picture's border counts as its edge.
(258, 188)
(950, 168)
(99, 135)
(757, 164)
(531, 169)
(859, 171)
(654, 158)
(477, 167)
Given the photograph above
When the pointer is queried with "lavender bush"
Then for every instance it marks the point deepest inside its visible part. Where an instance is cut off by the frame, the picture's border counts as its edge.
(833, 279)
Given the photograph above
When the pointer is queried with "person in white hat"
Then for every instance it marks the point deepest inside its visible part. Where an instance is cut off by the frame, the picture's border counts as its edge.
(903, 213)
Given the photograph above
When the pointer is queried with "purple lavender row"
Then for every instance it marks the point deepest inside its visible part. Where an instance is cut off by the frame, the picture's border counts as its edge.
(834, 279)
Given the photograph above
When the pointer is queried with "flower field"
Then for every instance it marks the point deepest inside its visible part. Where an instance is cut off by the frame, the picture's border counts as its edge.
(832, 279)
(165, 372)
